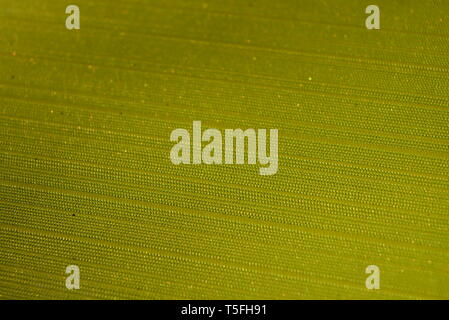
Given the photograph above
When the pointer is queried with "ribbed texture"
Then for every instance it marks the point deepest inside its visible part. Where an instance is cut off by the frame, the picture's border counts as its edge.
(86, 177)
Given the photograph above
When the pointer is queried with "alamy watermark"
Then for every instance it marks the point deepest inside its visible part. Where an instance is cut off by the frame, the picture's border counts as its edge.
(373, 280)
(373, 20)
(187, 151)
(73, 280)
(73, 20)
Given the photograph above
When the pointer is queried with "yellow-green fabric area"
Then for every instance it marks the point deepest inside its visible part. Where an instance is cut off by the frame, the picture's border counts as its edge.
(86, 177)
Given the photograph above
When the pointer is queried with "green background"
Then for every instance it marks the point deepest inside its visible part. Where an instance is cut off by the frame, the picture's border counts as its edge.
(86, 177)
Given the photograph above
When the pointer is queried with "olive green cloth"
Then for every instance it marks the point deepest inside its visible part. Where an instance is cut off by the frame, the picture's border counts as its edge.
(86, 177)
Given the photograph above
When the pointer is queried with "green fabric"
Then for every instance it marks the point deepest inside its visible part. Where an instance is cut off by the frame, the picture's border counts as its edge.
(86, 177)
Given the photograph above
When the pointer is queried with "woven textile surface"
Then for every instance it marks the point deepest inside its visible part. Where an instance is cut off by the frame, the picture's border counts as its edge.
(86, 177)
